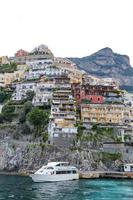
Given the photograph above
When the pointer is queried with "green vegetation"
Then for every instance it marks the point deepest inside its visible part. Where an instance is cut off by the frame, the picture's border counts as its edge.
(22, 117)
(25, 129)
(1, 118)
(30, 94)
(8, 112)
(8, 68)
(127, 138)
(4, 95)
(108, 158)
(95, 135)
(80, 132)
(27, 106)
(44, 137)
(28, 119)
(86, 101)
(38, 118)
(118, 92)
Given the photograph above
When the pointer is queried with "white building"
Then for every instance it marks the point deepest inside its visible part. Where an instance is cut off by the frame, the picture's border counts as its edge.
(61, 127)
(21, 90)
(39, 64)
(128, 98)
(54, 71)
(31, 75)
(44, 93)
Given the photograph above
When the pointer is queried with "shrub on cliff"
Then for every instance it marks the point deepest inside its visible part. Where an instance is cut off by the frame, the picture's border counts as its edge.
(1, 118)
(4, 96)
(22, 117)
(27, 107)
(25, 129)
(8, 68)
(38, 118)
(8, 112)
(29, 95)
(108, 158)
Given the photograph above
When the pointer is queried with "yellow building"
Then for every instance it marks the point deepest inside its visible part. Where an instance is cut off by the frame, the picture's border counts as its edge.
(64, 123)
(2, 80)
(7, 78)
(106, 114)
(23, 67)
(4, 60)
(75, 76)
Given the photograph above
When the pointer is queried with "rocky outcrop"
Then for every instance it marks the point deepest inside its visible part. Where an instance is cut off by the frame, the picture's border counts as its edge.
(106, 63)
(25, 155)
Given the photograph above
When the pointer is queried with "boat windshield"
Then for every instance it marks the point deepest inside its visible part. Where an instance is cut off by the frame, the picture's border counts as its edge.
(62, 164)
(49, 168)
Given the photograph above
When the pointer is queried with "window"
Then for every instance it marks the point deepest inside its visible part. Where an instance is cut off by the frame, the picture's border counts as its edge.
(50, 168)
(66, 172)
(58, 165)
(56, 135)
(127, 151)
(74, 172)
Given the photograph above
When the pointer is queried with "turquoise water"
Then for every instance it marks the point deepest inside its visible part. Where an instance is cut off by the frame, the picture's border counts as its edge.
(17, 188)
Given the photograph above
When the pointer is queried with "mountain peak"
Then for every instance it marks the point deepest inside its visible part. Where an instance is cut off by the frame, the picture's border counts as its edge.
(106, 63)
(105, 51)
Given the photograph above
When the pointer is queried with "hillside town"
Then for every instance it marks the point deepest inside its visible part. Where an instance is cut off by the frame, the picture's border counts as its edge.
(83, 111)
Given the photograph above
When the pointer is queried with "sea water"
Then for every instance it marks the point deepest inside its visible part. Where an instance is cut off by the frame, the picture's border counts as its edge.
(17, 188)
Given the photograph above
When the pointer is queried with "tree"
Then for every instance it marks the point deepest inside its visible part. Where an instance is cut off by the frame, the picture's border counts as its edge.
(38, 118)
(25, 129)
(4, 96)
(44, 137)
(1, 118)
(30, 94)
(8, 67)
(27, 107)
(22, 117)
(8, 112)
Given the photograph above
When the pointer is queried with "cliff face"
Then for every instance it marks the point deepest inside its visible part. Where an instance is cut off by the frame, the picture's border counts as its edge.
(106, 63)
(25, 155)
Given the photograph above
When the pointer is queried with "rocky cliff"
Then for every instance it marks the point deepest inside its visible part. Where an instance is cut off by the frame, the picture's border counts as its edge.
(25, 154)
(106, 63)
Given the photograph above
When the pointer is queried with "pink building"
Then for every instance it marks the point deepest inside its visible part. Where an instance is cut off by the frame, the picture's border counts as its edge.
(21, 53)
(80, 94)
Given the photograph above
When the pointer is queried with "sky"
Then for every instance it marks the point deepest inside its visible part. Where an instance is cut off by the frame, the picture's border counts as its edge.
(70, 28)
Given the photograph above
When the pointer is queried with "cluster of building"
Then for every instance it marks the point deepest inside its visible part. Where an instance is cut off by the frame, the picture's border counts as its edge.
(59, 83)
(62, 125)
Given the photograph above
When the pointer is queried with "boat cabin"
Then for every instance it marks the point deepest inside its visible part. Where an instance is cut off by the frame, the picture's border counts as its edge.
(128, 167)
(57, 168)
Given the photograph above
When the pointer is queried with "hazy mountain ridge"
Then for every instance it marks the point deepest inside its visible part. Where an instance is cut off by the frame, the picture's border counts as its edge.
(106, 63)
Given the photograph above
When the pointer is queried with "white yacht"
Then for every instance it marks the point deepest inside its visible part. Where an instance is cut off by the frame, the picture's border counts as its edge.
(55, 171)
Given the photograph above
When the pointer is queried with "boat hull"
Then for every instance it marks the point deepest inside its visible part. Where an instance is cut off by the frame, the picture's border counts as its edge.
(53, 178)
